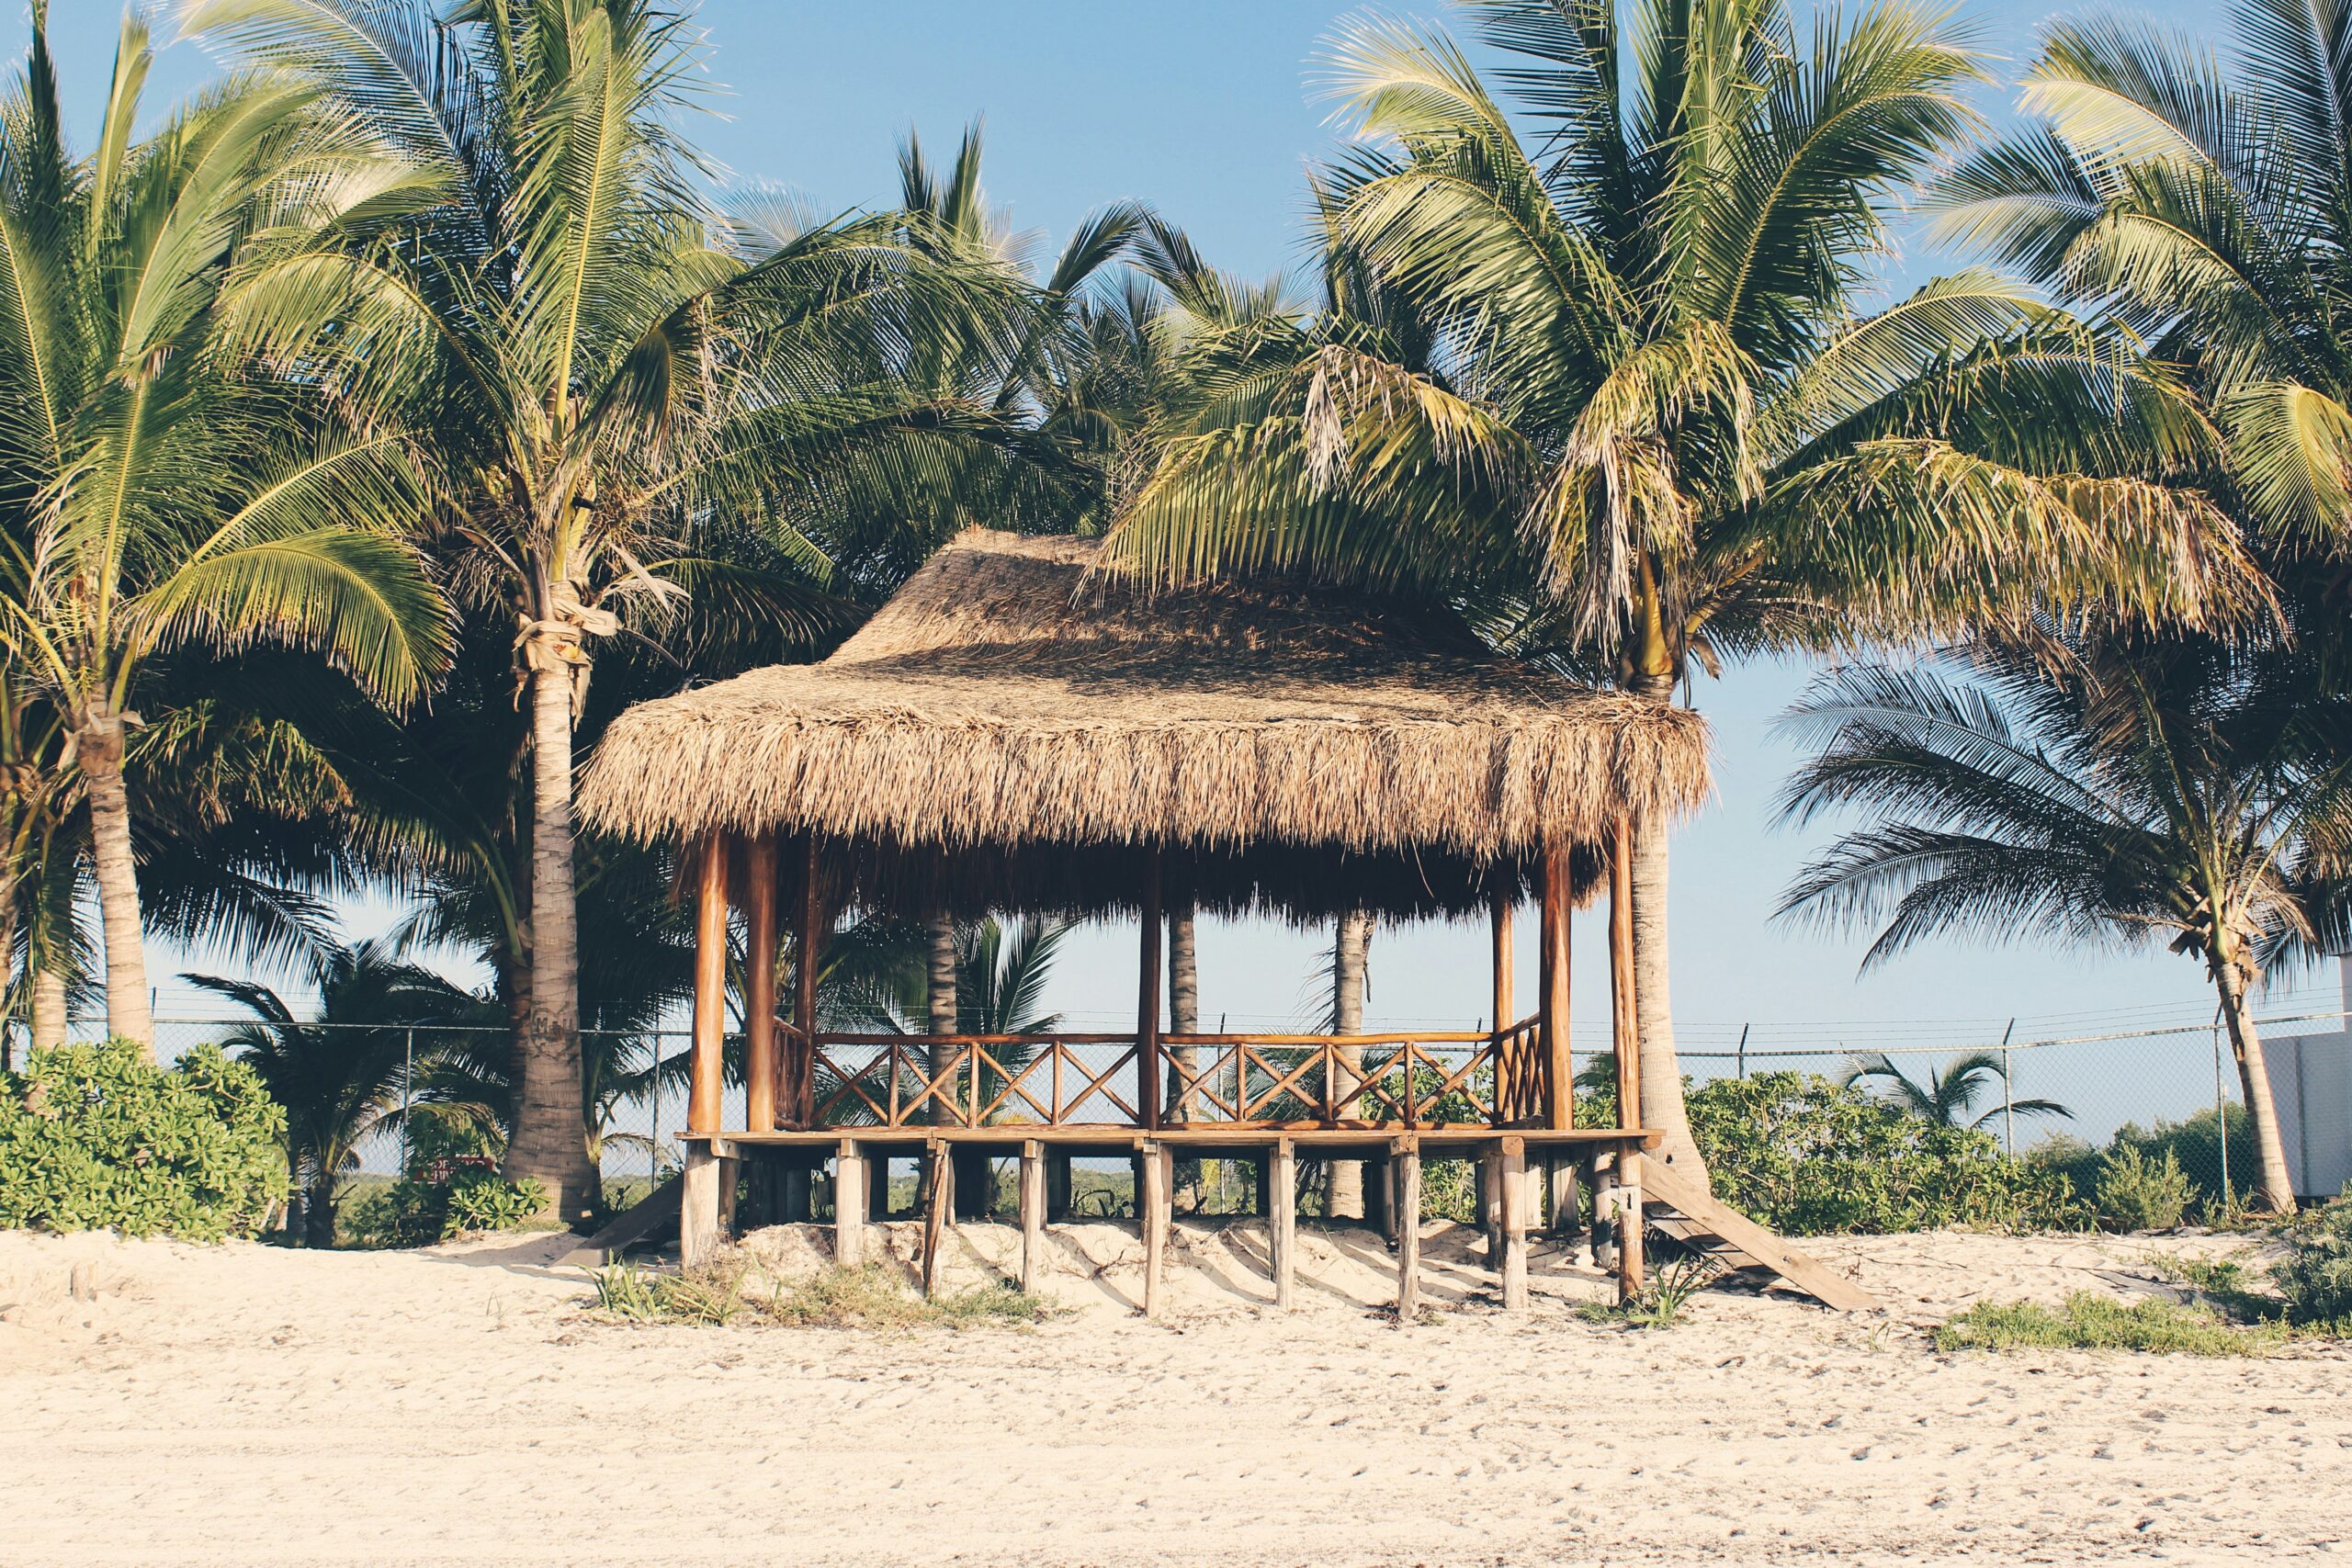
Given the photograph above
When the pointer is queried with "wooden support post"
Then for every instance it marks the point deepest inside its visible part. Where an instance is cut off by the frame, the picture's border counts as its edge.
(1379, 1213)
(849, 1204)
(1559, 1064)
(1507, 1097)
(1407, 1160)
(878, 1186)
(1033, 1214)
(1629, 1237)
(1147, 999)
(704, 1080)
(698, 1230)
(1515, 1217)
(795, 1185)
(809, 948)
(1625, 1024)
(1490, 1201)
(1282, 1228)
(1058, 1188)
(939, 1168)
(1159, 1169)
(1261, 1166)
(730, 1176)
(1604, 1209)
(1560, 1175)
(759, 936)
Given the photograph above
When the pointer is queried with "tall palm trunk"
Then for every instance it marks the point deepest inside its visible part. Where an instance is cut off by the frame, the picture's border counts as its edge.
(1183, 1009)
(1662, 1107)
(550, 1142)
(8, 949)
(49, 1023)
(98, 754)
(318, 1214)
(2254, 1082)
(1348, 963)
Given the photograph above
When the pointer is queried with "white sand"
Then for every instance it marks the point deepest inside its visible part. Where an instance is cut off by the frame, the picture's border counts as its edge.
(249, 1406)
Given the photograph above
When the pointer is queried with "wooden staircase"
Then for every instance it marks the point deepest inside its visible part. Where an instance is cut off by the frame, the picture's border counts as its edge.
(1682, 1210)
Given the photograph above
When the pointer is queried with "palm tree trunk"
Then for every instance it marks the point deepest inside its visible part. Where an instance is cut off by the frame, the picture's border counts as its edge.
(1183, 1009)
(318, 1214)
(98, 754)
(2253, 1080)
(49, 1007)
(974, 1197)
(1662, 1107)
(8, 952)
(550, 1144)
(1347, 965)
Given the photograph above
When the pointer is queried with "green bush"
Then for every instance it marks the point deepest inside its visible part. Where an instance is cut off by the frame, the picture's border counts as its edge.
(442, 1200)
(2314, 1280)
(2195, 1147)
(2094, 1323)
(2136, 1192)
(97, 1136)
(1811, 1157)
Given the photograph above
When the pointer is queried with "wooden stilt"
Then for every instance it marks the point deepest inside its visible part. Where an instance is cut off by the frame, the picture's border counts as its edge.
(799, 1097)
(878, 1187)
(699, 1229)
(1604, 1209)
(1379, 1213)
(940, 1168)
(730, 1176)
(1507, 1094)
(1033, 1214)
(849, 1205)
(760, 1063)
(1490, 1204)
(1559, 1061)
(1408, 1161)
(793, 1193)
(1281, 1227)
(1630, 1238)
(1515, 1217)
(705, 1068)
(1261, 1167)
(1560, 1175)
(1057, 1189)
(1159, 1169)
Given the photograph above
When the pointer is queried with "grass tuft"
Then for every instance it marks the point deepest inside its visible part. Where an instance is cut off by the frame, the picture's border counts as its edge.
(2089, 1321)
(872, 1298)
(1660, 1304)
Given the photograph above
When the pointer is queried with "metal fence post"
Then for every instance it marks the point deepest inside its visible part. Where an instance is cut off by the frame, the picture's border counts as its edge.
(2009, 1093)
(653, 1139)
(1743, 1051)
(408, 1087)
(2220, 1113)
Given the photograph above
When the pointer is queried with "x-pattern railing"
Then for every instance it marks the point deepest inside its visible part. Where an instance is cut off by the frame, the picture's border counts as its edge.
(1411, 1080)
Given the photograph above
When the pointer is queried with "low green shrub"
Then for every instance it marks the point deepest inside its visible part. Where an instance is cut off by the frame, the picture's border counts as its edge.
(2194, 1145)
(2314, 1280)
(97, 1136)
(1808, 1155)
(442, 1200)
(2137, 1193)
(2090, 1322)
(872, 1297)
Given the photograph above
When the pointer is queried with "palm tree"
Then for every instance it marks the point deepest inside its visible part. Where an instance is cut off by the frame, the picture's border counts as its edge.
(344, 1075)
(2209, 209)
(2091, 790)
(1613, 390)
(162, 494)
(1948, 1096)
(605, 371)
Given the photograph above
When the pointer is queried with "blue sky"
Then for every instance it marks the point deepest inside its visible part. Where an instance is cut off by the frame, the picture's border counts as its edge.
(1204, 110)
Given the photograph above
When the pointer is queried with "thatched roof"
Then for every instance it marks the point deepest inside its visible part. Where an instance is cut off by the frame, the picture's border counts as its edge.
(1012, 695)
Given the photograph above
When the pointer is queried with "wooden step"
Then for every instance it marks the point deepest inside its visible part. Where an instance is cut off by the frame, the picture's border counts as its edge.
(641, 1219)
(1706, 1217)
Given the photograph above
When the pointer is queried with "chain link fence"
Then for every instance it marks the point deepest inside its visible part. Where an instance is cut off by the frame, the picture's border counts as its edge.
(2070, 1090)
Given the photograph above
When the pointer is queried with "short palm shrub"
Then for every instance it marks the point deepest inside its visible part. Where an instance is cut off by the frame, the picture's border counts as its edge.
(98, 1136)
(1808, 1155)
(441, 1200)
(2139, 1192)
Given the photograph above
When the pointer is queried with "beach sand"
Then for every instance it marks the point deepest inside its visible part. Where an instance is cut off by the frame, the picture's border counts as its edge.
(247, 1405)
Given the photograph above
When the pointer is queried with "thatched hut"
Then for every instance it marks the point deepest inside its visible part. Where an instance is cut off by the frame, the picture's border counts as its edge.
(1020, 730)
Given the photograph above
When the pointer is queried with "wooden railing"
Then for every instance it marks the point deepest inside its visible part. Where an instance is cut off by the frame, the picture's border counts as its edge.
(1419, 1080)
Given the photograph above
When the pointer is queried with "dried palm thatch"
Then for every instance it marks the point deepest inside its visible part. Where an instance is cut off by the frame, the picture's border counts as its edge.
(1012, 698)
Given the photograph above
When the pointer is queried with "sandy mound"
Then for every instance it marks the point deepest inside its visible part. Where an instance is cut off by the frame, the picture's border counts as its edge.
(250, 1406)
